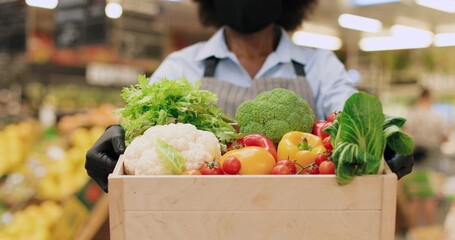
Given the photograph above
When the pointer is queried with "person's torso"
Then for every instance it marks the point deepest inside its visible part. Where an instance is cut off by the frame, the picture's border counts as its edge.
(230, 95)
(327, 78)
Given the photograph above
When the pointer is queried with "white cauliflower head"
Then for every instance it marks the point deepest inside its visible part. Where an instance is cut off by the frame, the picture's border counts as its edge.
(196, 147)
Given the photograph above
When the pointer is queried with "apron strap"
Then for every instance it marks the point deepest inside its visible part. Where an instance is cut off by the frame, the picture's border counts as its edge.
(210, 66)
(299, 69)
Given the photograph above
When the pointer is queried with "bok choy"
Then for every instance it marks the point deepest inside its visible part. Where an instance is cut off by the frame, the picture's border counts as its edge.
(360, 134)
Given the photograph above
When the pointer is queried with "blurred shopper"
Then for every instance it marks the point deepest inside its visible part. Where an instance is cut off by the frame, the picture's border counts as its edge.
(429, 131)
(250, 53)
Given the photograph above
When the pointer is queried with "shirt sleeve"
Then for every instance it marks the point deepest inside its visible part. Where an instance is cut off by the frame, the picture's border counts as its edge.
(180, 64)
(170, 68)
(335, 85)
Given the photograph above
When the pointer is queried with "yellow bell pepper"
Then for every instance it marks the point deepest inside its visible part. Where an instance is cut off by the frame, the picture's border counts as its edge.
(300, 147)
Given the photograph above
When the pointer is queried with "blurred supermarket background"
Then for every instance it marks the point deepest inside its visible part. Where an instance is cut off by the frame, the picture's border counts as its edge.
(63, 64)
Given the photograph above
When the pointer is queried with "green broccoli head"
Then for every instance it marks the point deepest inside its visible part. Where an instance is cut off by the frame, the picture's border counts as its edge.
(274, 113)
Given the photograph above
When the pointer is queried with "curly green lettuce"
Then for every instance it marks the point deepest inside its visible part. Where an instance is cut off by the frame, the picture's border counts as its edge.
(172, 101)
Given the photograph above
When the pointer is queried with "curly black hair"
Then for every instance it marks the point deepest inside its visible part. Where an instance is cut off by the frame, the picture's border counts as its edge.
(294, 12)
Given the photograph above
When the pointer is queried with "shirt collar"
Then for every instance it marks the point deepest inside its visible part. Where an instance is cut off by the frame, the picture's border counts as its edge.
(215, 46)
(285, 52)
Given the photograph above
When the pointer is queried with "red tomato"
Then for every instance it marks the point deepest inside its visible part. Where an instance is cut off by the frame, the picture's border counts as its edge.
(320, 158)
(281, 169)
(289, 164)
(327, 167)
(323, 134)
(333, 116)
(327, 144)
(317, 126)
(312, 170)
(211, 168)
(231, 165)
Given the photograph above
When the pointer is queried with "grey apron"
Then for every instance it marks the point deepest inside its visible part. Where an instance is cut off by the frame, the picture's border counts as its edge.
(231, 96)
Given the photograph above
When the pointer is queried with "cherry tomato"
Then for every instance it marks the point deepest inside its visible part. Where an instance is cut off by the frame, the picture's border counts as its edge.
(289, 164)
(311, 170)
(327, 144)
(320, 158)
(211, 168)
(333, 116)
(231, 165)
(327, 167)
(323, 134)
(317, 126)
(281, 169)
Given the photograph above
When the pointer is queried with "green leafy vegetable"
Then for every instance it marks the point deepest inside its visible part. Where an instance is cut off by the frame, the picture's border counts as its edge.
(359, 136)
(172, 160)
(360, 142)
(391, 120)
(398, 141)
(172, 101)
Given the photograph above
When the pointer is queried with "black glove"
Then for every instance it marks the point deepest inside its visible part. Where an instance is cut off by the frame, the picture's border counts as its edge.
(400, 165)
(103, 155)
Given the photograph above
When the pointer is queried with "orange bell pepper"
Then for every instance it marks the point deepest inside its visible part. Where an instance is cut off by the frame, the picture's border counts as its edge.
(300, 147)
(253, 160)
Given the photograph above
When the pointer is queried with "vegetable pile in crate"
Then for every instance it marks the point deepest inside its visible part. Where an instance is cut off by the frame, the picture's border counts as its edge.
(240, 179)
(173, 127)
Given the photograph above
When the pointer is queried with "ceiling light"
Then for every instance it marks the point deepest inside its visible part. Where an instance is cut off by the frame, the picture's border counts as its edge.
(444, 39)
(371, 2)
(402, 37)
(359, 23)
(113, 10)
(410, 32)
(441, 5)
(49, 4)
(392, 43)
(316, 40)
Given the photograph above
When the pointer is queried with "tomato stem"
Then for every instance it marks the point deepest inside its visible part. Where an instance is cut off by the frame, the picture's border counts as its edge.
(303, 168)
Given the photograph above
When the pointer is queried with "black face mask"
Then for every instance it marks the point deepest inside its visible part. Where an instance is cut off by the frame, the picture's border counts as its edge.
(248, 16)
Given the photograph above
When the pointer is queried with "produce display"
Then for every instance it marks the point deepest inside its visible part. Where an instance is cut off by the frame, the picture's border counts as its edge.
(42, 173)
(162, 122)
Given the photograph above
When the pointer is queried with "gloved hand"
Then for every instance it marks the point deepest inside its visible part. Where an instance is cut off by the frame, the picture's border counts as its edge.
(400, 165)
(103, 155)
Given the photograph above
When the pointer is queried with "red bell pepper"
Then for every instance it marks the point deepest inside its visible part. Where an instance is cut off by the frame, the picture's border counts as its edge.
(256, 140)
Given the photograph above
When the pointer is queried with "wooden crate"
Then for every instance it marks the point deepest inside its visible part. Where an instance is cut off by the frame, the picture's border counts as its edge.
(251, 207)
